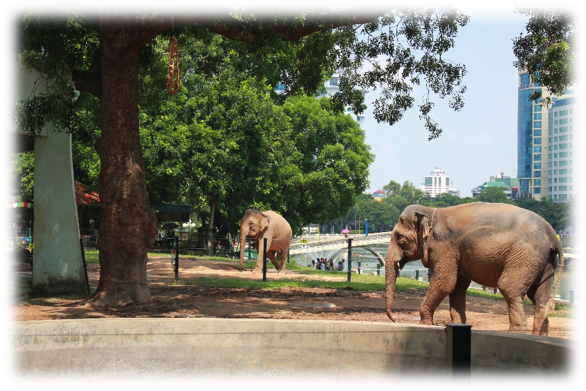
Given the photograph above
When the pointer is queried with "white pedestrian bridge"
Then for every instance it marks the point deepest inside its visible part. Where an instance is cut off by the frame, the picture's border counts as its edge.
(366, 242)
(337, 243)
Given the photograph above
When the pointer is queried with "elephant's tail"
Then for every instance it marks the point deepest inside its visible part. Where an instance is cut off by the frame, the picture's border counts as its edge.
(560, 252)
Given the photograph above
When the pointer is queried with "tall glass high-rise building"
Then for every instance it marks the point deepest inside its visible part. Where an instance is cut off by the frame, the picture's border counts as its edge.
(532, 140)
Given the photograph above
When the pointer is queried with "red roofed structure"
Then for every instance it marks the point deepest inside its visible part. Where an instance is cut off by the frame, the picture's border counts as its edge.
(82, 198)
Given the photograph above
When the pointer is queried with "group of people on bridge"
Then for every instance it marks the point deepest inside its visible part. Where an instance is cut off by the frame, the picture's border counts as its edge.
(324, 264)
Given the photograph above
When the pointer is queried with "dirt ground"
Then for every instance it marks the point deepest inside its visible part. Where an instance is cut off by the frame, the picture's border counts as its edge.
(182, 301)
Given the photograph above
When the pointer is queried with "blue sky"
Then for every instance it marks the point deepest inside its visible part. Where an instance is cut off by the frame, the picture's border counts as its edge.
(477, 141)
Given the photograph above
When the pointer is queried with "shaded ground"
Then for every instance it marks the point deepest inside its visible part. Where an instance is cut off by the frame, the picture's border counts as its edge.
(177, 300)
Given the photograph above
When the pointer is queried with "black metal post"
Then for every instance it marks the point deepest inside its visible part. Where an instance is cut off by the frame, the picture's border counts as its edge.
(176, 256)
(378, 269)
(212, 246)
(359, 267)
(350, 260)
(417, 274)
(288, 256)
(87, 281)
(458, 349)
(264, 260)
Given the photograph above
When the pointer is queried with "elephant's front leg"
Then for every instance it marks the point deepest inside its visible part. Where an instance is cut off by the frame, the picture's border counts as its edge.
(440, 286)
(259, 257)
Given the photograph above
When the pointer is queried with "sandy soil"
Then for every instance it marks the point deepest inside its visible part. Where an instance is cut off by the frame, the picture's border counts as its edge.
(178, 300)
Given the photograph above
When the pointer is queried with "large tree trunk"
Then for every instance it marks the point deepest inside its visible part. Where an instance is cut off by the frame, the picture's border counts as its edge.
(210, 224)
(128, 225)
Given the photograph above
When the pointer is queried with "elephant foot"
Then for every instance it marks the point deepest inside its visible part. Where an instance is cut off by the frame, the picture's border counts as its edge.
(516, 328)
(425, 318)
(256, 270)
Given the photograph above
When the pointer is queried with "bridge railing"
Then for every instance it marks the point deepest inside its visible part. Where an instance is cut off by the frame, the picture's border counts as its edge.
(329, 244)
(570, 252)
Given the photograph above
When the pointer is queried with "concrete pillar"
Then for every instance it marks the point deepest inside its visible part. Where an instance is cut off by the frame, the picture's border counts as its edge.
(57, 260)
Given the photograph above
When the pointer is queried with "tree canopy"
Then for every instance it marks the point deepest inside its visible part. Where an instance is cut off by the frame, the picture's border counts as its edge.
(548, 51)
(393, 51)
(21, 176)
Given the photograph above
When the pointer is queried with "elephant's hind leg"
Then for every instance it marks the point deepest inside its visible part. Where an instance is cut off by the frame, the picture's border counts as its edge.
(458, 300)
(283, 257)
(539, 294)
(513, 293)
(271, 256)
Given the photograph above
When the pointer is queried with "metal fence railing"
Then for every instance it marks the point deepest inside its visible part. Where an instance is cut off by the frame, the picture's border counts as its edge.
(13, 238)
(220, 246)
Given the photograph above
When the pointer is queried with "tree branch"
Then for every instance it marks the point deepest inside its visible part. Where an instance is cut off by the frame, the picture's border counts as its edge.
(344, 18)
(91, 80)
(226, 25)
(218, 20)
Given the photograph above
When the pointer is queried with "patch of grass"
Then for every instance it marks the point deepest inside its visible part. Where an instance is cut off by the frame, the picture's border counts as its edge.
(562, 311)
(483, 294)
(360, 282)
(92, 256)
(277, 284)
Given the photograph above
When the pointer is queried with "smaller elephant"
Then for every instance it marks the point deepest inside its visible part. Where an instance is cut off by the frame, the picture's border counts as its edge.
(492, 244)
(272, 226)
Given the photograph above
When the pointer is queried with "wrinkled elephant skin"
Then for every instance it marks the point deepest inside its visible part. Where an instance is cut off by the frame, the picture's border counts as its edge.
(495, 245)
(272, 226)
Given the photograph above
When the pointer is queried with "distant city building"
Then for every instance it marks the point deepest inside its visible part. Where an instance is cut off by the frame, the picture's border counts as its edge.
(332, 88)
(532, 143)
(379, 194)
(439, 183)
(561, 186)
(509, 185)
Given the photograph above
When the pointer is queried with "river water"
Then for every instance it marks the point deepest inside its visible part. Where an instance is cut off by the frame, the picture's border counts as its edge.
(368, 265)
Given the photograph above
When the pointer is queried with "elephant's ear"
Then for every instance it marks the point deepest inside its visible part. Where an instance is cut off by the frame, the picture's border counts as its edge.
(264, 222)
(423, 235)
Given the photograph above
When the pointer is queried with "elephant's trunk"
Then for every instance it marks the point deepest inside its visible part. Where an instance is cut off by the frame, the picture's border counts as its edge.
(391, 269)
(242, 247)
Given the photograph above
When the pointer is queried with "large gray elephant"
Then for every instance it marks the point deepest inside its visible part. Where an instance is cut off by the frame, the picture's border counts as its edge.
(274, 228)
(495, 245)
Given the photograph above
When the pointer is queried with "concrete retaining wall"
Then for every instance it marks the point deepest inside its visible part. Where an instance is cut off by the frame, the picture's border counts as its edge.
(268, 347)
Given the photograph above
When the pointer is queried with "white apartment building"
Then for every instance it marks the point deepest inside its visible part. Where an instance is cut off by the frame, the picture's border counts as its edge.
(562, 164)
(439, 183)
(332, 87)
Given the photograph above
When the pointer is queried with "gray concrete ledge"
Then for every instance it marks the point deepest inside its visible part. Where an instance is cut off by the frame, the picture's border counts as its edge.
(209, 346)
